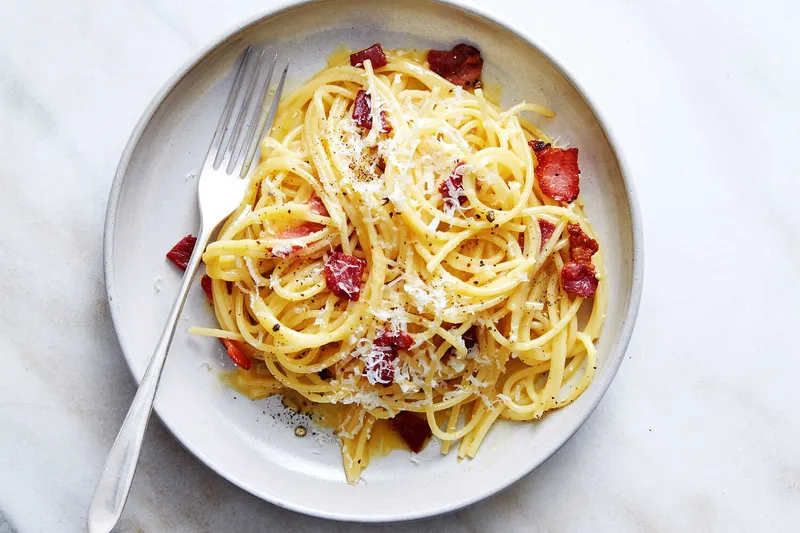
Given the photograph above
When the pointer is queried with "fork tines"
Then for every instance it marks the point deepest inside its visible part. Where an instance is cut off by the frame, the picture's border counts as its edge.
(237, 136)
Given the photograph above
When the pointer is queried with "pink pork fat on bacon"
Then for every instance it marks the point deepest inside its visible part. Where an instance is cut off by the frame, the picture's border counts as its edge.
(374, 53)
(362, 113)
(305, 228)
(578, 275)
(343, 275)
(317, 205)
(557, 171)
(460, 66)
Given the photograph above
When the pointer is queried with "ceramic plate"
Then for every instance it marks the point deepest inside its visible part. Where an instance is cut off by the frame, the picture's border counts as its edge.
(153, 204)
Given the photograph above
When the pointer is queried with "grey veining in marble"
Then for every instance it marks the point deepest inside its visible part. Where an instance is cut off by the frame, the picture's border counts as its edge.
(699, 432)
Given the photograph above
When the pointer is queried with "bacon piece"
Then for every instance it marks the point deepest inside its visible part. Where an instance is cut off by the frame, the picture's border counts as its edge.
(205, 282)
(538, 146)
(236, 354)
(578, 275)
(461, 66)
(381, 365)
(362, 113)
(317, 205)
(546, 228)
(374, 53)
(470, 337)
(362, 110)
(397, 340)
(413, 429)
(581, 247)
(578, 279)
(382, 361)
(452, 187)
(181, 252)
(343, 275)
(557, 171)
(303, 230)
(234, 349)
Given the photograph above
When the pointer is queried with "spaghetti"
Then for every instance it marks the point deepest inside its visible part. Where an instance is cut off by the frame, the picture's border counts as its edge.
(395, 256)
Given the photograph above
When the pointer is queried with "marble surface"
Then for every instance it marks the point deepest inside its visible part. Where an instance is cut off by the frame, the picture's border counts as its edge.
(700, 430)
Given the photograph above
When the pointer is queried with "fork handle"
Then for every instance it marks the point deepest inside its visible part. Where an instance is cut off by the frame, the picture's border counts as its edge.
(115, 480)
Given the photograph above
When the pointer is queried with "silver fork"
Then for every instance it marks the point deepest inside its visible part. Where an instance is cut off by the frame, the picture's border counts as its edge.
(220, 190)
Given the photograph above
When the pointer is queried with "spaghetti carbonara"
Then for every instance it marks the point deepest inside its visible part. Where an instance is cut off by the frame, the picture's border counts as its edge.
(409, 254)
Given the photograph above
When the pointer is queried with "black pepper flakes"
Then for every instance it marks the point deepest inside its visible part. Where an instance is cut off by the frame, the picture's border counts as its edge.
(276, 327)
(490, 216)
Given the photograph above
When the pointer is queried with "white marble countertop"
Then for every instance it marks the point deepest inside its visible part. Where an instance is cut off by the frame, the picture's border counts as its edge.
(699, 432)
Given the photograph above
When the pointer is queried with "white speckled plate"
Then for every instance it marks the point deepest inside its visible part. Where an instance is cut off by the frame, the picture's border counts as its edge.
(153, 204)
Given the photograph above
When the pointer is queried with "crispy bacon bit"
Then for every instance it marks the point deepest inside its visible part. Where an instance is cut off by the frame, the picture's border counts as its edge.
(413, 429)
(317, 205)
(546, 228)
(470, 337)
(233, 348)
(362, 110)
(397, 340)
(236, 354)
(578, 279)
(577, 276)
(581, 247)
(461, 66)
(557, 171)
(181, 252)
(382, 360)
(362, 113)
(452, 187)
(374, 53)
(205, 282)
(538, 146)
(381, 365)
(343, 275)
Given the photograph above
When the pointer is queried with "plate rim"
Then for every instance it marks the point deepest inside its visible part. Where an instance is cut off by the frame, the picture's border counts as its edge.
(618, 349)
